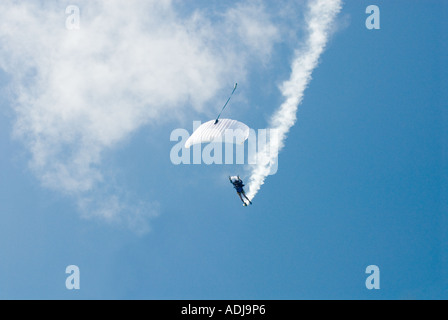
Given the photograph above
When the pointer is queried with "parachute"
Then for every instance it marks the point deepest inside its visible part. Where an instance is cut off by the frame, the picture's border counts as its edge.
(221, 131)
(227, 131)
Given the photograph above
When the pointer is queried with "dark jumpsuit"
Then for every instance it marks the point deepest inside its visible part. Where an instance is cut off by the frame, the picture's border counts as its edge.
(238, 185)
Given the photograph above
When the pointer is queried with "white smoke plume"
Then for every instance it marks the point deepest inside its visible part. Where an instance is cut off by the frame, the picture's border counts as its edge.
(319, 19)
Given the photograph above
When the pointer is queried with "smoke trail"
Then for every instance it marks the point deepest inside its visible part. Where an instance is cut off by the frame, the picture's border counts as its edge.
(319, 20)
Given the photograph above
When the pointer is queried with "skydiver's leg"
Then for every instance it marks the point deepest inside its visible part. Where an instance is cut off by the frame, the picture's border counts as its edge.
(239, 194)
(244, 194)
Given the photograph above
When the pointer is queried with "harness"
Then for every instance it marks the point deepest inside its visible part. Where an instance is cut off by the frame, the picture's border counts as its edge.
(238, 185)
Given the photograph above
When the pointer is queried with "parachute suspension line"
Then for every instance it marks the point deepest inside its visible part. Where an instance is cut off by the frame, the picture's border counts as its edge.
(217, 119)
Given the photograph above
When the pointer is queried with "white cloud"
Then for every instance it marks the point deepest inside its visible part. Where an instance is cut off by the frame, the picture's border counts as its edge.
(249, 20)
(131, 63)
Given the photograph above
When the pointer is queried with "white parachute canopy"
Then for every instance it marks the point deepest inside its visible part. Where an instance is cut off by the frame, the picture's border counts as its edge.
(222, 131)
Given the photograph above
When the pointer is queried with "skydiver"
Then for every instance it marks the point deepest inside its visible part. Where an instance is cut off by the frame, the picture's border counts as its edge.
(238, 185)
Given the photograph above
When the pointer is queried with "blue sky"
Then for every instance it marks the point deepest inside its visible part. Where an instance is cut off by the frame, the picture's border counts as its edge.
(361, 180)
